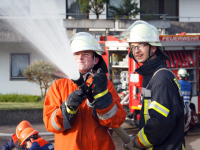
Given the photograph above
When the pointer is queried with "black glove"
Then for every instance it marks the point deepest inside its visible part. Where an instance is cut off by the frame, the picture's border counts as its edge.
(74, 100)
(70, 107)
(102, 98)
(100, 83)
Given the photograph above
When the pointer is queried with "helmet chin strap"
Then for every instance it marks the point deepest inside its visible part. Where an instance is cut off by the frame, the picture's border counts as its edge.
(136, 61)
(149, 54)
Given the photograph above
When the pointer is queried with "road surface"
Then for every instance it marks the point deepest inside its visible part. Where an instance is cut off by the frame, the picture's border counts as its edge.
(192, 138)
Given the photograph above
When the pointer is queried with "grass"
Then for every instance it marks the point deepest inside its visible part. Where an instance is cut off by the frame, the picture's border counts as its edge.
(21, 105)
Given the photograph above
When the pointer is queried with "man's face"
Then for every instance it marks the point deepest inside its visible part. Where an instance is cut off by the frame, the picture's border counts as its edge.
(141, 52)
(85, 60)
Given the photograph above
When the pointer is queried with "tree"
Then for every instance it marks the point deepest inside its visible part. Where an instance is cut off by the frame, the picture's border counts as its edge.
(116, 12)
(128, 10)
(96, 6)
(42, 73)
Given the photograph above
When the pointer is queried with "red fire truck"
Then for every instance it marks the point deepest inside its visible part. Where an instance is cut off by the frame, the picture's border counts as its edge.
(183, 51)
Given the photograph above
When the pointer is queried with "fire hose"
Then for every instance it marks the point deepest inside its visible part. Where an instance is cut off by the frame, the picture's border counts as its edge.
(88, 91)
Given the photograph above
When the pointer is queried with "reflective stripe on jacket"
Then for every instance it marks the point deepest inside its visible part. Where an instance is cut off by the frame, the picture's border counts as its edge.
(87, 132)
(162, 115)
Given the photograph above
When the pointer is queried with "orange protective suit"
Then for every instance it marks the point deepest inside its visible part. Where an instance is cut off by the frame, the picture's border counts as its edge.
(87, 132)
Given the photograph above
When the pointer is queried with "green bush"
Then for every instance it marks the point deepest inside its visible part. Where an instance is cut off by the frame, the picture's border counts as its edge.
(19, 98)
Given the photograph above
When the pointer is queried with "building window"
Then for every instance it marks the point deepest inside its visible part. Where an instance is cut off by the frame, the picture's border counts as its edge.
(74, 10)
(19, 63)
(115, 3)
(153, 8)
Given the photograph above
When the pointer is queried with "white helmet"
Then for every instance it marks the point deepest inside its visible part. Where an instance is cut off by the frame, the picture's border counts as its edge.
(83, 41)
(182, 73)
(141, 31)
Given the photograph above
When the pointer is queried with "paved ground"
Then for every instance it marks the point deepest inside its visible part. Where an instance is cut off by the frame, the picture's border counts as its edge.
(192, 139)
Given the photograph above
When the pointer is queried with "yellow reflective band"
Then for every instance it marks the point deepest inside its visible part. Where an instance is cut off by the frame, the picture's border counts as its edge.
(146, 106)
(143, 139)
(101, 94)
(135, 107)
(183, 147)
(159, 108)
(145, 110)
(177, 83)
(72, 112)
(69, 110)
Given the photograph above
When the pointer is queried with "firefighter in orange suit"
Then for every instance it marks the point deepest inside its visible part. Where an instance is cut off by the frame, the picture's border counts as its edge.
(79, 124)
(161, 123)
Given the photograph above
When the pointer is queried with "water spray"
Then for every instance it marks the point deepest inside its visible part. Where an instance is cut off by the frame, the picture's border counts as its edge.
(40, 23)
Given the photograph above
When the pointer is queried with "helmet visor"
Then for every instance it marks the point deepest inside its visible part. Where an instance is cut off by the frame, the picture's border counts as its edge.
(143, 33)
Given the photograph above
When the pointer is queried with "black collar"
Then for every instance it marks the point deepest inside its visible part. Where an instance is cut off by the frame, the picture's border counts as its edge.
(148, 68)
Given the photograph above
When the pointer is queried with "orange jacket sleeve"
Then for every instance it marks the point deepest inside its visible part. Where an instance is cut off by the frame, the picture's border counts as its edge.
(52, 113)
(114, 115)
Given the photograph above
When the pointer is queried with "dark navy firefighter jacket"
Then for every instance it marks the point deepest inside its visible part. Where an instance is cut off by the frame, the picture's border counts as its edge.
(12, 143)
(41, 144)
(161, 125)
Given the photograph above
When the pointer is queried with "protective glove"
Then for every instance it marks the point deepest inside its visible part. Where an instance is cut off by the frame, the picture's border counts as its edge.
(69, 108)
(133, 144)
(74, 100)
(102, 98)
(100, 82)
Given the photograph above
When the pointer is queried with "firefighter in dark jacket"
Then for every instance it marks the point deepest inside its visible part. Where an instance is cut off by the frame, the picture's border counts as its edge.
(186, 90)
(191, 117)
(161, 124)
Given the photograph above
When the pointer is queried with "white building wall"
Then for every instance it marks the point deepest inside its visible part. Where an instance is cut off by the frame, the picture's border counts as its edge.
(189, 10)
(60, 7)
(16, 86)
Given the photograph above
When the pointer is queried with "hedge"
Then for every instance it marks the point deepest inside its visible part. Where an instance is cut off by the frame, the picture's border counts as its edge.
(19, 98)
